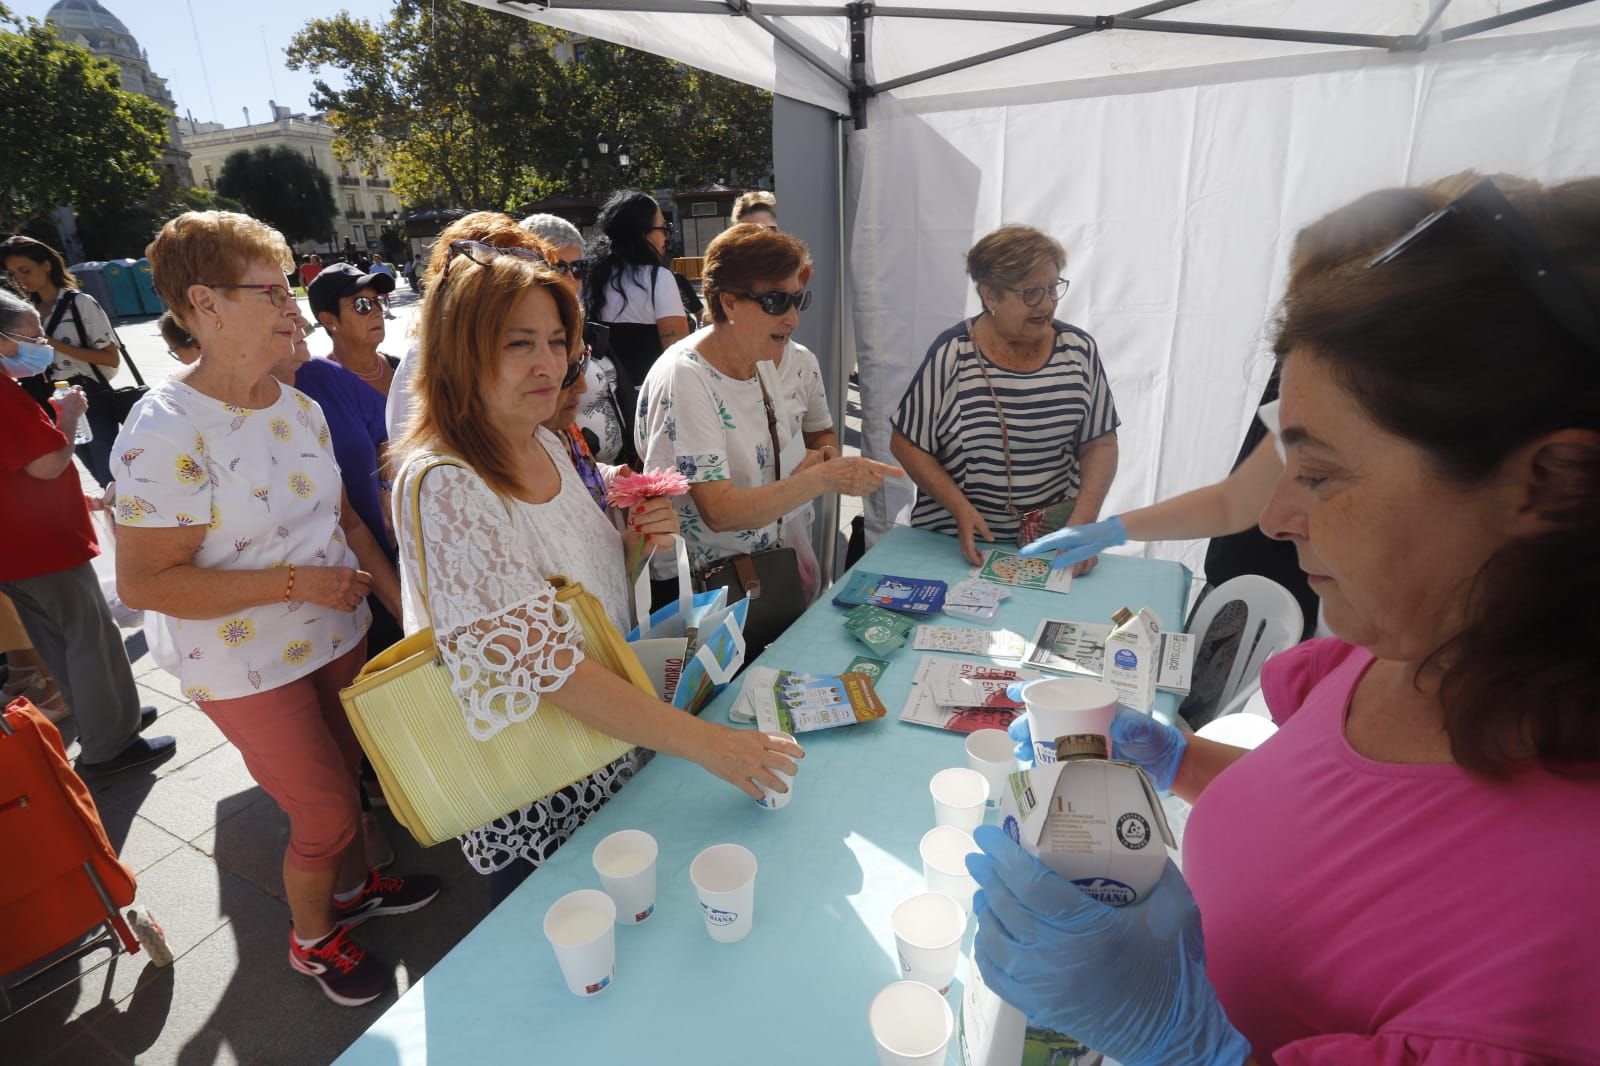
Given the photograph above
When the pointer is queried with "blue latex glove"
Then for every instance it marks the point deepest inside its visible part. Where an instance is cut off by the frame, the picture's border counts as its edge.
(1140, 738)
(1077, 543)
(1129, 982)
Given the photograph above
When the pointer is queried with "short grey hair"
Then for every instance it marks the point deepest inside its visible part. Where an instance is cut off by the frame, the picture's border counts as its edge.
(13, 309)
(553, 230)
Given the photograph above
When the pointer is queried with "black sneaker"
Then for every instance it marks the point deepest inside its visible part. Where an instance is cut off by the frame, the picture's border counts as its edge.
(348, 975)
(147, 717)
(386, 894)
(142, 752)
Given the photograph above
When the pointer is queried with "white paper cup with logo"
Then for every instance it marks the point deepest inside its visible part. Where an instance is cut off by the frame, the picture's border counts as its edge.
(1067, 706)
(927, 937)
(944, 850)
(959, 797)
(581, 927)
(724, 877)
(911, 1024)
(776, 801)
(626, 863)
(992, 753)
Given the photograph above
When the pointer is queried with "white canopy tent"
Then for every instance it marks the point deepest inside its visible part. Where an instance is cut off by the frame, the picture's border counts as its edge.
(1175, 149)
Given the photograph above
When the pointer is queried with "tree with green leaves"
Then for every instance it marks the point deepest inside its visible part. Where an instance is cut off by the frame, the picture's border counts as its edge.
(282, 188)
(72, 134)
(473, 107)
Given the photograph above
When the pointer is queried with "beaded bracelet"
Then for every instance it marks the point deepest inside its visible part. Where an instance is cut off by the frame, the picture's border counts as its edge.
(289, 589)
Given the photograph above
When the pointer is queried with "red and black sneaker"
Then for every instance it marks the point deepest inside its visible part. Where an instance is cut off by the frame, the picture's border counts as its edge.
(348, 975)
(386, 894)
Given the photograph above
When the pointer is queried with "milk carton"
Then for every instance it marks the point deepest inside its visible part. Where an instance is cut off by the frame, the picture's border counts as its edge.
(1133, 653)
(1099, 824)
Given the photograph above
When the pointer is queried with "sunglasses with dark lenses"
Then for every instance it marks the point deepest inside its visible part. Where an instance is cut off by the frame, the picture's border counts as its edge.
(778, 301)
(578, 268)
(575, 370)
(1486, 208)
(363, 305)
(485, 254)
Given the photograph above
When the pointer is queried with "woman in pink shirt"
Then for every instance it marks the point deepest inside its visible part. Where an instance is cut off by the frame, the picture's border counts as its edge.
(1406, 872)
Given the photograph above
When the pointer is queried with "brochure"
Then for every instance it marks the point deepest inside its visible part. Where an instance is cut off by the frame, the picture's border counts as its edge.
(935, 676)
(1064, 647)
(787, 701)
(994, 643)
(908, 595)
(1009, 568)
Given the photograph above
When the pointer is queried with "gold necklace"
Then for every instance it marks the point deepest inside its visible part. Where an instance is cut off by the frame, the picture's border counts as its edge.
(376, 375)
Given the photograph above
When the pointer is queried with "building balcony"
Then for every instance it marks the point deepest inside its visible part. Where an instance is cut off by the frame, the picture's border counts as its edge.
(349, 179)
(355, 214)
(378, 183)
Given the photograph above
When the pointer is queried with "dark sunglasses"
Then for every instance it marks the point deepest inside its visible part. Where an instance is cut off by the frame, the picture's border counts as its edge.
(778, 301)
(578, 268)
(575, 370)
(484, 254)
(1486, 208)
(363, 305)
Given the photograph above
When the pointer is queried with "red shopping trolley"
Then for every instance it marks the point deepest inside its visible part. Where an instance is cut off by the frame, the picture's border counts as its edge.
(62, 878)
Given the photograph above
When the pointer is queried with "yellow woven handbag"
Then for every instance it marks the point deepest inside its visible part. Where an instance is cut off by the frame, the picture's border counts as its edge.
(438, 780)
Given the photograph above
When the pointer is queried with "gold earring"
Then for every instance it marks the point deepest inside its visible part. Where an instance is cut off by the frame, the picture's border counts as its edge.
(219, 323)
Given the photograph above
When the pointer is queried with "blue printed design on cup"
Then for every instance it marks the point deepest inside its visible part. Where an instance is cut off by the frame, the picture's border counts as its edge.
(647, 912)
(719, 917)
(1013, 828)
(1125, 659)
(1107, 890)
(590, 990)
(1044, 752)
(905, 967)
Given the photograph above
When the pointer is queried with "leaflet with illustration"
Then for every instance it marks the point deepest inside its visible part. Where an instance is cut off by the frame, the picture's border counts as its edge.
(908, 595)
(1009, 568)
(938, 677)
(788, 701)
(1064, 647)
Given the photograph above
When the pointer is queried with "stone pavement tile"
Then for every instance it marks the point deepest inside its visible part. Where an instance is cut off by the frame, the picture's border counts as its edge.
(140, 843)
(196, 735)
(250, 844)
(148, 675)
(192, 800)
(48, 1026)
(83, 1049)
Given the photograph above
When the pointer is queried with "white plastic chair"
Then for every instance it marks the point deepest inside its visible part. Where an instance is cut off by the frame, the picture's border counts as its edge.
(1272, 623)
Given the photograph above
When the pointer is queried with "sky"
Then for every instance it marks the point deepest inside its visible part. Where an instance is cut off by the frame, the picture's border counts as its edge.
(240, 46)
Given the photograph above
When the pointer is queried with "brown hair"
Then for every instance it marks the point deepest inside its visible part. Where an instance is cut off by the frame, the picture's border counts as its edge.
(744, 255)
(490, 227)
(462, 332)
(174, 334)
(39, 252)
(755, 200)
(1011, 253)
(210, 248)
(1445, 347)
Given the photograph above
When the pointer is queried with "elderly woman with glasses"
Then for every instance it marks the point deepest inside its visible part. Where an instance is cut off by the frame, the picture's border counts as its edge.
(233, 524)
(503, 515)
(1010, 412)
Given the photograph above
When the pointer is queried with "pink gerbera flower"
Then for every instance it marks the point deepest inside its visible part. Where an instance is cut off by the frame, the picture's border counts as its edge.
(630, 490)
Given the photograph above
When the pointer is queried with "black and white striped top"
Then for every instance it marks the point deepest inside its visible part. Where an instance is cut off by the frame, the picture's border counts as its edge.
(948, 412)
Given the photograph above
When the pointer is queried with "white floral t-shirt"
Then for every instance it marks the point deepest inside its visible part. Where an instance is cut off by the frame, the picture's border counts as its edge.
(265, 486)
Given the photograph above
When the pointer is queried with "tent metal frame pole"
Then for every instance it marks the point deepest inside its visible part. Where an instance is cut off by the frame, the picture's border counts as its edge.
(1494, 22)
(680, 7)
(748, 10)
(1016, 49)
(1134, 22)
(1433, 17)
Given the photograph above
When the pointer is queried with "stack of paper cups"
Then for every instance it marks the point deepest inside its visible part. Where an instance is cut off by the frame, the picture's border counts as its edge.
(581, 926)
(626, 863)
(944, 853)
(959, 796)
(911, 1024)
(1064, 707)
(927, 935)
(991, 753)
(724, 877)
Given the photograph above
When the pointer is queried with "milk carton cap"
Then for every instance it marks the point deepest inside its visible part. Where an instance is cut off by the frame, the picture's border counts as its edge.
(1081, 746)
(1122, 616)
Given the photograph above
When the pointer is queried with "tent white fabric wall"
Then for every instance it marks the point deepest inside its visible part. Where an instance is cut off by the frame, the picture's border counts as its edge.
(1175, 167)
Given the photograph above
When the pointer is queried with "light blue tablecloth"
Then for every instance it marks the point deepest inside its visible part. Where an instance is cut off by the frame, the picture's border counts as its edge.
(833, 864)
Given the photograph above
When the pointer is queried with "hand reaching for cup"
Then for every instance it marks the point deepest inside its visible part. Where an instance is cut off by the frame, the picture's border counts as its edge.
(749, 760)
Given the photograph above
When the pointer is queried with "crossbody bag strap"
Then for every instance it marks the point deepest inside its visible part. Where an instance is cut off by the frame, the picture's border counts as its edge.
(71, 296)
(999, 412)
(772, 426)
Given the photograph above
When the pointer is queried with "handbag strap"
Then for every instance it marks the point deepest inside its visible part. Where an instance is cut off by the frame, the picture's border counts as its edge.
(429, 465)
(83, 340)
(772, 425)
(1000, 412)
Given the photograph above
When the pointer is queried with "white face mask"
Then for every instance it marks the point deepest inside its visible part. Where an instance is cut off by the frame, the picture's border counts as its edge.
(33, 357)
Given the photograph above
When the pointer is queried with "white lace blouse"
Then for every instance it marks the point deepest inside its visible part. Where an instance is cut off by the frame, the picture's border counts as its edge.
(500, 631)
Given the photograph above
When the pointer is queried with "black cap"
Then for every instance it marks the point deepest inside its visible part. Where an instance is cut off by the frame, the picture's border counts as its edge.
(342, 279)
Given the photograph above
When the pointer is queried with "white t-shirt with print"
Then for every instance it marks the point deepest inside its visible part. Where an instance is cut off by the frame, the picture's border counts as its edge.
(96, 332)
(650, 294)
(709, 427)
(265, 486)
(800, 377)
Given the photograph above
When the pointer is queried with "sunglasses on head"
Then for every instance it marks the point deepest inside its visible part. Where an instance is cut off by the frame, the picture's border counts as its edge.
(485, 254)
(1486, 208)
(778, 301)
(575, 370)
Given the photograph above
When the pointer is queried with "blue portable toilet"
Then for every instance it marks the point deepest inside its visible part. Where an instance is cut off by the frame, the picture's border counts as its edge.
(124, 289)
(91, 279)
(148, 300)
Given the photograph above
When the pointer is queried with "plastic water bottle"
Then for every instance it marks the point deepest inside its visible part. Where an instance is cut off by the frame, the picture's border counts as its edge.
(84, 434)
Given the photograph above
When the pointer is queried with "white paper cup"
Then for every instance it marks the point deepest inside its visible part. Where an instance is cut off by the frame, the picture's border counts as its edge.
(581, 926)
(724, 877)
(944, 852)
(927, 935)
(959, 796)
(776, 801)
(626, 863)
(911, 1024)
(1067, 706)
(992, 753)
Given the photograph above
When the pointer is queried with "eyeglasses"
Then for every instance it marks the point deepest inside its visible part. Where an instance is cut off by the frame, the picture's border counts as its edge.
(485, 254)
(1034, 295)
(578, 268)
(659, 229)
(778, 301)
(363, 305)
(1487, 208)
(278, 294)
(575, 370)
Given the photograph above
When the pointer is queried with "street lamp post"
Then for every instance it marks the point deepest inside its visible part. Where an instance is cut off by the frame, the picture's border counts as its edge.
(602, 144)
